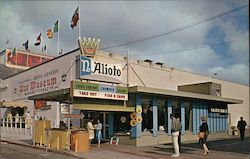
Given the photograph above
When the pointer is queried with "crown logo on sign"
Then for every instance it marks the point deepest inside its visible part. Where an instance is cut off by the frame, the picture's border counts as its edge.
(89, 47)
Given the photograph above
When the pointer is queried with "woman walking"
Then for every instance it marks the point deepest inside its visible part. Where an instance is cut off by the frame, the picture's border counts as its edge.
(204, 130)
(98, 128)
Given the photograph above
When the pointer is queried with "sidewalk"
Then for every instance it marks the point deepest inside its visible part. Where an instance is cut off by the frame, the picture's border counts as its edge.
(190, 150)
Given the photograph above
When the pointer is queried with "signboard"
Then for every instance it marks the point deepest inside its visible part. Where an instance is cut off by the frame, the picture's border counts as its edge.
(36, 84)
(93, 90)
(217, 110)
(40, 103)
(88, 47)
(89, 66)
(77, 116)
(24, 60)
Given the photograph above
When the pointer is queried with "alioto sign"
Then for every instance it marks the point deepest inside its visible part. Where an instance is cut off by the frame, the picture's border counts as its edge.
(93, 90)
(89, 66)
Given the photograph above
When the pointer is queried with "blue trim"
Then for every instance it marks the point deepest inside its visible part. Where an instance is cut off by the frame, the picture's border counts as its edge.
(136, 130)
(182, 117)
(111, 124)
(138, 125)
(155, 116)
(194, 117)
(170, 109)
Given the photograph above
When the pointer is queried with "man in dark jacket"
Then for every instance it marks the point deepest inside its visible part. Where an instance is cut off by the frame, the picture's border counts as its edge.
(241, 126)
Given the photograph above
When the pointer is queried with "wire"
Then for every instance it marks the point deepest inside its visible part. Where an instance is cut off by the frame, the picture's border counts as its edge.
(180, 28)
(193, 48)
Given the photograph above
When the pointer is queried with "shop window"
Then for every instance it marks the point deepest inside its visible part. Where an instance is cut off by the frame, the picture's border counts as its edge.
(188, 116)
(122, 122)
(162, 115)
(147, 113)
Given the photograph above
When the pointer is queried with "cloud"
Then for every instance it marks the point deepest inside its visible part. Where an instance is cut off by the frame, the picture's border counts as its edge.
(116, 22)
(240, 45)
(234, 73)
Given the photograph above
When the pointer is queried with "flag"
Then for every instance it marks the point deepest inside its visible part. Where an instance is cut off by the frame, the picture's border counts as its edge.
(26, 45)
(61, 51)
(44, 48)
(50, 33)
(75, 18)
(38, 40)
(13, 52)
(56, 27)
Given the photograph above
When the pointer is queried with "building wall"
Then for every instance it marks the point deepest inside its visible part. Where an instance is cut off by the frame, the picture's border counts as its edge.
(140, 73)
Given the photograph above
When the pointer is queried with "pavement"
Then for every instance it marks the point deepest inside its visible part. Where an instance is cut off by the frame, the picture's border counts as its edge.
(230, 147)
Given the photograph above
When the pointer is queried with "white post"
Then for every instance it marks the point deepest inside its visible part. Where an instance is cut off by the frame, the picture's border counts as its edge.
(79, 23)
(11, 125)
(58, 36)
(20, 125)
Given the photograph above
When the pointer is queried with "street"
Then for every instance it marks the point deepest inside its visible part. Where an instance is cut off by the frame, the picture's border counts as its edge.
(10, 151)
(232, 148)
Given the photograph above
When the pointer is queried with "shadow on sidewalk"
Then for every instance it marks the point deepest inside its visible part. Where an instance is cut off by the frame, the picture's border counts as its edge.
(29, 142)
(227, 145)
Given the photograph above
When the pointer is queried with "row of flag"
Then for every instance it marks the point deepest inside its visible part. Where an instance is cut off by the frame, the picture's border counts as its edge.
(50, 33)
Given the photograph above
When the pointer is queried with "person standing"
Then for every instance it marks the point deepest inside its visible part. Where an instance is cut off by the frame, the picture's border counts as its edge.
(175, 130)
(9, 118)
(91, 129)
(204, 129)
(241, 126)
(17, 119)
(98, 128)
(28, 121)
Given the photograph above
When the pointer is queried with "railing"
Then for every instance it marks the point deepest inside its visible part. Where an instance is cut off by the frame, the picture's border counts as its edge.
(16, 126)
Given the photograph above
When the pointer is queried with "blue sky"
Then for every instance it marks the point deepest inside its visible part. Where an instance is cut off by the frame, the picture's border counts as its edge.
(120, 22)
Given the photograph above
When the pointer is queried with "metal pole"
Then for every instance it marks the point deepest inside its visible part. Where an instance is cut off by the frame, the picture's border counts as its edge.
(68, 147)
(127, 66)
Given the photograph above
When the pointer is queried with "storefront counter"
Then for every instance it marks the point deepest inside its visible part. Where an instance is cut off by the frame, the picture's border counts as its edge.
(79, 141)
(39, 136)
(59, 138)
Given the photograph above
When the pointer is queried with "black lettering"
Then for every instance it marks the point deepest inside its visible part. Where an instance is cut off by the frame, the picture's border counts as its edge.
(97, 68)
(118, 72)
(110, 71)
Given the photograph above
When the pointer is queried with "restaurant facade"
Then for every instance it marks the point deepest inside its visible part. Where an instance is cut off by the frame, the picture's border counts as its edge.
(132, 98)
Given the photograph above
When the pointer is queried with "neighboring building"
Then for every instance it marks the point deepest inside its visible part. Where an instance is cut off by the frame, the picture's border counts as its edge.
(22, 60)
(97, 86)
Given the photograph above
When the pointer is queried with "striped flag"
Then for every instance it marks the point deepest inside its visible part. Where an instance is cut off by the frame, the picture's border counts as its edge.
(26, 45)
(13, 53)
(38, 40)
(44, 48)
(75, 18)
(56, 27)
(50, 33)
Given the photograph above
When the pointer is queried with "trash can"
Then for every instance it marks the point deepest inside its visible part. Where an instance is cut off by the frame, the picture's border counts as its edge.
(80, 141)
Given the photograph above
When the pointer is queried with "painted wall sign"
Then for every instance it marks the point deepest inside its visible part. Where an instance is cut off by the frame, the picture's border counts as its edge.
(89, 66)
(36, 84)
(93, 90)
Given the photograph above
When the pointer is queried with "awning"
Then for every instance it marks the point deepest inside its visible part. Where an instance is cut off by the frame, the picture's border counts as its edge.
(101, 107)
(14, 104)
(102, 78)
(57, 95)
(181, 94)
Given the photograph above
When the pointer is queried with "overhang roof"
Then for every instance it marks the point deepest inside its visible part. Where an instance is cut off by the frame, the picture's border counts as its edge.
(61, 95)
(14, 104)
(141, 89)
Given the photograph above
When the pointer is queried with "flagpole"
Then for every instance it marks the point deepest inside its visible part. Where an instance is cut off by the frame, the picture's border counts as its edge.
(16, 60)
(79, 23)
(58, 35)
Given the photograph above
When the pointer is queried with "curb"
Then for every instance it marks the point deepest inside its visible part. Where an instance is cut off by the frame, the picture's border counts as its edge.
(64, 152)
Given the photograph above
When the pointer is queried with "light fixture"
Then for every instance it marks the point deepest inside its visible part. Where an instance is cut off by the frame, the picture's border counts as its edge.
(64, 76)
